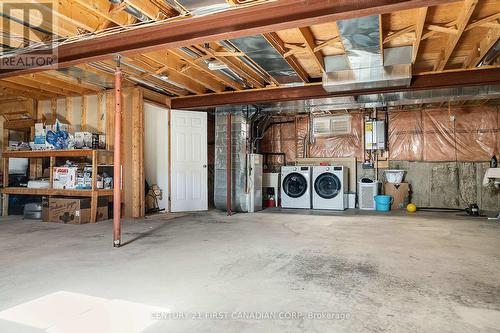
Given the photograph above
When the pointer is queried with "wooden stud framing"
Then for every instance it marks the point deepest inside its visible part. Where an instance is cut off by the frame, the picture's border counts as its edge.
(69, 111)
(419, 29)
(84, 108)
(53, 108)
(100, 114)
(278, 44)
(461, 23)
(310, 44)
(138, 208)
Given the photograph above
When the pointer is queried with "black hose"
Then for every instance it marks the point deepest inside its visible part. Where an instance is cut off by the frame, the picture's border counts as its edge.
(438, 209)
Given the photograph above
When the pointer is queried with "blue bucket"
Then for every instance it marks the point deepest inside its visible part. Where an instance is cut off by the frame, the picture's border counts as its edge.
(383, 203)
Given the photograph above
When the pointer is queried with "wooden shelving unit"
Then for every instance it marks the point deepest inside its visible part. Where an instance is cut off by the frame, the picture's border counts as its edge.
(93, 193)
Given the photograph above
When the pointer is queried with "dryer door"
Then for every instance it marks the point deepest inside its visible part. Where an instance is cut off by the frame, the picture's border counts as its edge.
(295, 185)
(327, 185)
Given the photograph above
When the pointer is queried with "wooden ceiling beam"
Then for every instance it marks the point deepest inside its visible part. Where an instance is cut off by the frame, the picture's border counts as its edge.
(483, 46)
(103, 10)
(54, 82)
(71, 80)
(446, 30)
(44, 88)
(328, 43)
(419, 82)
(147, 8)
(131, 73)
(482, 21)
(256, 70)
(235, 65)
(461, 23)
(169, 62)
(190, 85)
(279, 46)
(310, 44)
(395, 34)
(6, 91)
(203, 67)
(26, 91)
(419, 29)
(267, 17)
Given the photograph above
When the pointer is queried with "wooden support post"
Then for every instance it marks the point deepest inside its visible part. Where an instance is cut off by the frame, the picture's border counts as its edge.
(52, 165)
(100, 114)
(5, 202)
(84, 113)
(95, 197)
(117, 200)
(69, 112)
(53, 107)
(138, 209)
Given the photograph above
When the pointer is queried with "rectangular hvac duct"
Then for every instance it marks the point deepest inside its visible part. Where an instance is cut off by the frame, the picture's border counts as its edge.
(362, 66)
(239, 135)
(265, 55)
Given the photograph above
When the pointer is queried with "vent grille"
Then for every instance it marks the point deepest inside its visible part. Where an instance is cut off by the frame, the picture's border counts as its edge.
(332, 126)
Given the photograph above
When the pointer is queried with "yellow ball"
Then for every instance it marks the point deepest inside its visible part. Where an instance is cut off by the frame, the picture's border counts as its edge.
(411, 208)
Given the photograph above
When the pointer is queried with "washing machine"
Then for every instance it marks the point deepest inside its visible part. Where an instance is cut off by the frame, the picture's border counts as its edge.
(296, 187)
(330, 187)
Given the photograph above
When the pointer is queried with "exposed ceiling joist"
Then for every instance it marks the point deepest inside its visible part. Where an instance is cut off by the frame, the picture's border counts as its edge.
(235, 65)
(170, 63)
(264, 18)
(482, 47)
(310, 45)
(461, 23)
(174, 76)
(278, 44)
(419, 29)
(482, 21)
(203, 67)
(395, 34)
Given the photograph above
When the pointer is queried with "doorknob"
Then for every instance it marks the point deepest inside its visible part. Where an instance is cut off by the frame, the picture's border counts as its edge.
(205, 166)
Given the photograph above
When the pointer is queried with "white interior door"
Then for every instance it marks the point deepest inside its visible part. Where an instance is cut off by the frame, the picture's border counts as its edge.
(189, 191)
(156, 150)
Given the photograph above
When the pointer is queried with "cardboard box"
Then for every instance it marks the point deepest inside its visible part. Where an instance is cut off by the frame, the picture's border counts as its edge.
(69, 210)
(65, 178)
(73, 210)
(400, 194)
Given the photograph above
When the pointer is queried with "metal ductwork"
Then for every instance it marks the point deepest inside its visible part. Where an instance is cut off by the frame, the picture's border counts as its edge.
(492, 57)
(239, 151)
(204, 7)
(265, 55)
(132, 11)
(369, 101)
(385, 100)
(363, 66)
(226, 71)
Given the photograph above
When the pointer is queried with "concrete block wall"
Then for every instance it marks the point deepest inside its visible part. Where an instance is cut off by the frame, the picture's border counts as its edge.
(445, 184)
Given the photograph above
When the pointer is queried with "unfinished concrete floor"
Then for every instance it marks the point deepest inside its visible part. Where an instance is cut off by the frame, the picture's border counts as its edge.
(385, 273)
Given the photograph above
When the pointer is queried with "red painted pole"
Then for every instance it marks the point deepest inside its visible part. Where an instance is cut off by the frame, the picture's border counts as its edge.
(117, 200)
(229, 165)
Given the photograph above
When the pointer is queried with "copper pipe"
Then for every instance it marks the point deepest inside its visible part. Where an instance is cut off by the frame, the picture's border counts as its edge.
(229, 165)
(117, 200)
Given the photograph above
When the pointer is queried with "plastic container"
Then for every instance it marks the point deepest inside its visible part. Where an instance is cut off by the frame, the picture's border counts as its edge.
(383, 203)
(394, 176)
